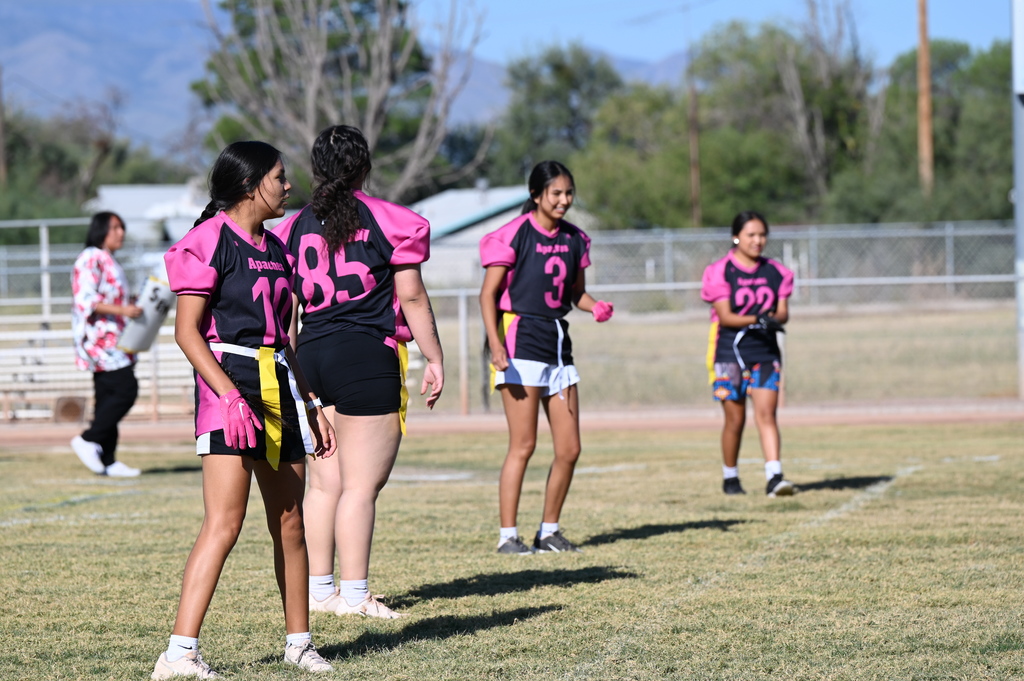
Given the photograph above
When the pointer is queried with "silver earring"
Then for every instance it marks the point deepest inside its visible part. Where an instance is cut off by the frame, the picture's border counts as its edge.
(736, 241)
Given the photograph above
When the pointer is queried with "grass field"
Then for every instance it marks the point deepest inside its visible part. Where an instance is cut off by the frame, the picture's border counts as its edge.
(901, 558)
(832, 356)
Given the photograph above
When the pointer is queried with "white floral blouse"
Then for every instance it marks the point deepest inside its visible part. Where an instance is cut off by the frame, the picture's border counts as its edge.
(97, 278)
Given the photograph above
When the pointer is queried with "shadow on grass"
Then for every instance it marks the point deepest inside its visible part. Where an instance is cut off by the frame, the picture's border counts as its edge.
(496, 583)
(647, 531)
(198, 468)
(429, 629)
(837, 484)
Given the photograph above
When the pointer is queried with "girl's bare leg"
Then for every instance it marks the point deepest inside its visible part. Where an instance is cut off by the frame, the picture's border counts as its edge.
(522, 404)
(226, 480)
(564, 417)
(282, 492)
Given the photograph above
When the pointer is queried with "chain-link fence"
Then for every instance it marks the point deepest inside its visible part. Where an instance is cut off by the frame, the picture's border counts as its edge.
(644, 273)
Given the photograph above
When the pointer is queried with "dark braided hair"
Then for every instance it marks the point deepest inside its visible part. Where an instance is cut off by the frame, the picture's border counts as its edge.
(543, 174)
(238, 171)
(341, 158)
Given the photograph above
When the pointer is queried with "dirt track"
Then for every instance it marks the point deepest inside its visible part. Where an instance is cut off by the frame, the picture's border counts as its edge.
(976, 411)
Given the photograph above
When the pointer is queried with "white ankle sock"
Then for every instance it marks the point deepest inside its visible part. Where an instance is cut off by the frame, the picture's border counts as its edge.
(321, 587)
(772, 468)
(179, 646)
(507, 533)
(730, 472)
(354, 591)
(548, 529)
(297, 639)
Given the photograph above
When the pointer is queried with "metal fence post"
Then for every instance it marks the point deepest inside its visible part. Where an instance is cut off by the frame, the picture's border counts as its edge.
(464, 351)
(44, 274)
(813, 244)
(950, 262)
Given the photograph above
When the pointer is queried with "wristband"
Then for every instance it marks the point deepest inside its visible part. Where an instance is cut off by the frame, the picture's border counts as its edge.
(313, 404)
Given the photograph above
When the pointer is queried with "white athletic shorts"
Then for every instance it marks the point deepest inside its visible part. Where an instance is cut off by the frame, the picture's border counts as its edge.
(538, 374)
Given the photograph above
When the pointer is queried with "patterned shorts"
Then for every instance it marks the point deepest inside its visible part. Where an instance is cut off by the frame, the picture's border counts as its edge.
(734, 384)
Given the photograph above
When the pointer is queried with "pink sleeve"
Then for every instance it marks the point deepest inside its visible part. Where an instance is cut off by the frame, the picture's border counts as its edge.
(188, 261)
(713, 285)
(283, 230)
(585, 259)
(786, 287)
(406, 231)
(496, 247)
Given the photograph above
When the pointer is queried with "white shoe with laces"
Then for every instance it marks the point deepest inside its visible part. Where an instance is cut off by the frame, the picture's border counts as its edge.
(305, 657)
(368, 607)
(120, 470)
(88, 453)
(329, 604)
(190, 664)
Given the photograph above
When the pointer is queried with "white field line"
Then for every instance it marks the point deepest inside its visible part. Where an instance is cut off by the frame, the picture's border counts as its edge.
(783, 540)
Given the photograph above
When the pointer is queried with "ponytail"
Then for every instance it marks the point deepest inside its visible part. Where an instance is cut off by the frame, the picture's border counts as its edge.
(341, 161)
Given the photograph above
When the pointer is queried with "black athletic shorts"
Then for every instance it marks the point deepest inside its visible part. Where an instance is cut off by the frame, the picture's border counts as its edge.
(354, 372)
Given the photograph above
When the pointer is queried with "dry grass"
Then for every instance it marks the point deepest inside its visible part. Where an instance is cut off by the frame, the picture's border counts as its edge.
(900, 559)
(899, 354)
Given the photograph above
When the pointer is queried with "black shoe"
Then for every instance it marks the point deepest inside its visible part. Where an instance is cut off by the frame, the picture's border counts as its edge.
(555, 543)
(777, 487)
(514, 546)
(732, 486)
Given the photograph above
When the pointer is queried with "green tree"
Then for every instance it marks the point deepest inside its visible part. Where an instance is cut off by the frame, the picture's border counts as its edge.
(554, 97)
(972, 143)
(56, 164)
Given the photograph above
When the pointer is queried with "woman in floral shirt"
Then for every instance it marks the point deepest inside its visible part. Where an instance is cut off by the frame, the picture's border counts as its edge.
(98, 316)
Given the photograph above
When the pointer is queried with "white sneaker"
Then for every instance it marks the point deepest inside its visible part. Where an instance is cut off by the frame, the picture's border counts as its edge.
(368, 607)
(191, 664)
(88, 453)
(329, 604)
(306, 657)
(120, 470)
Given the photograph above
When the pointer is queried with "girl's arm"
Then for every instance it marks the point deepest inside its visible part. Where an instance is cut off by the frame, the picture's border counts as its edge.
(726, 317)
(782, 311)
(415, 302)
(493, 277)
(325, 442)
(189, 316)
(601, 310)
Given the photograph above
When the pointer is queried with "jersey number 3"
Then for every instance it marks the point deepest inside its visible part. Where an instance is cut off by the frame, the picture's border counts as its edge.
(556, 267)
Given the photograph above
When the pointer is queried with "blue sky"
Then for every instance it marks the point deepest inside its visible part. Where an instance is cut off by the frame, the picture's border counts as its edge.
(650, 30)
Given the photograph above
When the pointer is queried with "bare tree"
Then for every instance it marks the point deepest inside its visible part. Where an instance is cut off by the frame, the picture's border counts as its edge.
(830, 41)
(301, 65)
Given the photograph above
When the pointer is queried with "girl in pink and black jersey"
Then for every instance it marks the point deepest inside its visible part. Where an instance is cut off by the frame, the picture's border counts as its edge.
(749, 297)
(254, 412)
(535, 272)
(358, 274)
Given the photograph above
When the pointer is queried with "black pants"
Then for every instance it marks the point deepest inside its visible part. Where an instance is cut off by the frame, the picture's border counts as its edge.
(115, 394)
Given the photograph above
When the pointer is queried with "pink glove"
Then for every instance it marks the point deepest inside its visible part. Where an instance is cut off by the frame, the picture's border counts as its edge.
(602, 311)
(239, 421)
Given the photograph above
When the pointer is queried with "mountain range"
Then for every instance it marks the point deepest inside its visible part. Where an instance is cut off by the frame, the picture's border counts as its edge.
(59, 54)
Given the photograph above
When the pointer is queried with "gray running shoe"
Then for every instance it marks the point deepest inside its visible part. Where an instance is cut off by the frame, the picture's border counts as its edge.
(555, 543)
(777, 487)
(514, 547)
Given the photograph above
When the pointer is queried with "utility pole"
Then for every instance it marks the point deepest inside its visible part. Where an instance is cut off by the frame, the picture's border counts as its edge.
(3, 134)
(925, 151)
